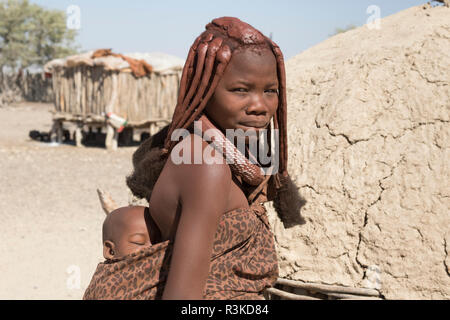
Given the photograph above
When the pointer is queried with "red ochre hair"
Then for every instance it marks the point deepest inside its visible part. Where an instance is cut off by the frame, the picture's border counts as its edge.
(206, 62)
(207, 59)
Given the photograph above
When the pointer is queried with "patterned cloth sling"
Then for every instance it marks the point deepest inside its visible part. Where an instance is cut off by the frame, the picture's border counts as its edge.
(243, 261)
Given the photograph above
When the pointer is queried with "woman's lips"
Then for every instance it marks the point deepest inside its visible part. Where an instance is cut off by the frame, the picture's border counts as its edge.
(256, 125)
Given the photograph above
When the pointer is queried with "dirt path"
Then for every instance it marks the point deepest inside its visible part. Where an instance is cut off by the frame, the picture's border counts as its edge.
(50, 231)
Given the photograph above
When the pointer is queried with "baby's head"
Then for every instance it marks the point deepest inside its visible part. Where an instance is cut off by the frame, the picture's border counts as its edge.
(126, 230)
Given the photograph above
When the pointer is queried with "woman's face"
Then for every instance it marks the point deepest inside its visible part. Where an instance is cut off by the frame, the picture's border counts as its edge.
(246, 96)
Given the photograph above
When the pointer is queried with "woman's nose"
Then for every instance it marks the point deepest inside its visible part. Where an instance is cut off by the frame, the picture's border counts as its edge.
(257, 105)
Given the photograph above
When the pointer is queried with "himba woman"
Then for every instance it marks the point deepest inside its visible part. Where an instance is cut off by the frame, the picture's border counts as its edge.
(214, 239)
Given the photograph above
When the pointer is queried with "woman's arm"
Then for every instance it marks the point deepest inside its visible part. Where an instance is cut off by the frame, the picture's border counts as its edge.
(203, 192)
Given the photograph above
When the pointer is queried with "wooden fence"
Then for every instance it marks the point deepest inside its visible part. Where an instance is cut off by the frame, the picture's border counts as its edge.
(25, 86)
(85, 94)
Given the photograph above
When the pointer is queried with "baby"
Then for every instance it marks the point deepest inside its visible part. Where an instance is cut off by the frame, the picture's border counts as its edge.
(127, 230)
(130, 240)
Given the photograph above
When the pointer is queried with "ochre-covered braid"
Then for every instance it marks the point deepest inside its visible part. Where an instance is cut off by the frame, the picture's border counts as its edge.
(250, 172)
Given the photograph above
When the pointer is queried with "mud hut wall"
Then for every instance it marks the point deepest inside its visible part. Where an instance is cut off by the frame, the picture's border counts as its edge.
(368, 132)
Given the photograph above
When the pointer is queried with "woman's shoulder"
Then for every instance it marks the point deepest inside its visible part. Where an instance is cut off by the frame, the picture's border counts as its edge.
(194, 160)
(197, 182)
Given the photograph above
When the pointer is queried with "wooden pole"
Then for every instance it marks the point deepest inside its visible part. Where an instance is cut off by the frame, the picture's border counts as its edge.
(78, 134)
(288, 295)
(325, 288)
(111, 137)
(56, 133)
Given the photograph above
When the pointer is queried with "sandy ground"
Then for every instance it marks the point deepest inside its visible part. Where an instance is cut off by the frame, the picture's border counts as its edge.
(50, 230)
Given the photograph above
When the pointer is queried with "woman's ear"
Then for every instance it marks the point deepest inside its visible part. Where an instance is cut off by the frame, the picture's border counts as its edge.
(109, 250)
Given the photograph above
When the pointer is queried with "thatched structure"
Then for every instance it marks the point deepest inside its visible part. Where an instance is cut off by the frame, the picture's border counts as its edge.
(90, 85)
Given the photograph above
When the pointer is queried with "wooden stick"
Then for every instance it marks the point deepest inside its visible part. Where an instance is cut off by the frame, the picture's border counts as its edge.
(111, 137)
(78, 135)
(107, 202)
(342, 296)
(328, 288)
(288, 295)
(57, 130)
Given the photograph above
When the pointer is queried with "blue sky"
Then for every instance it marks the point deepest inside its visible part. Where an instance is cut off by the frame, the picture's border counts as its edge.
(171, 26)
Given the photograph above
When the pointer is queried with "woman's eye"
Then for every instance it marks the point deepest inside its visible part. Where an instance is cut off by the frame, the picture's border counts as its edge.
(239, 90)
(272, 91)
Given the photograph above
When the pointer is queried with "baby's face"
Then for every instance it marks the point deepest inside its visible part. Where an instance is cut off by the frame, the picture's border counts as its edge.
(134, 235)
(130, 232)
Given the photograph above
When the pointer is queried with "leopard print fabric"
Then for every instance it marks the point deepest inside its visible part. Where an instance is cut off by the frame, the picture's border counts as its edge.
(243, 263)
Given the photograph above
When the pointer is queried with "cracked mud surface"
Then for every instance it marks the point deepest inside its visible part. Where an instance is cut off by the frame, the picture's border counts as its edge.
(369, 143)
